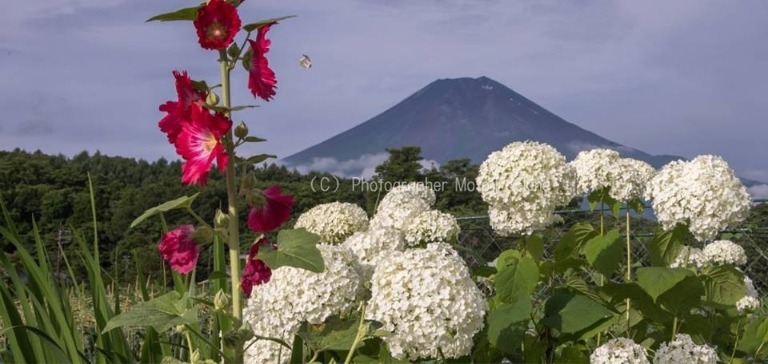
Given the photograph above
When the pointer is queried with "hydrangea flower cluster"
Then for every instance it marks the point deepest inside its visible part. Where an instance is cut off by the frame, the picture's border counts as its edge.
(689, 257)
(427, 299)
(683, 350)
(595, 169)
(397, 208)
(333, 221)
(724, 252)
(523, 184)
(415, 190)
(619, 350)
(704, 193)
(294, 295)
(431, 226)
(631, 179)
(751, 300)
(371, 246)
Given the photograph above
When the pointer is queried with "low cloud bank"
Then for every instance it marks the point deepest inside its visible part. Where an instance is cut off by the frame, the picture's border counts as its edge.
(361, 167)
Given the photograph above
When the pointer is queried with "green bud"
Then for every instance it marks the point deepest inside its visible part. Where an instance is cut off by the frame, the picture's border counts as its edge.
(241, 131)
(221, 219)
(195, 357)
(180, 329)
(212, 99)
(203, 235)
(221, 301)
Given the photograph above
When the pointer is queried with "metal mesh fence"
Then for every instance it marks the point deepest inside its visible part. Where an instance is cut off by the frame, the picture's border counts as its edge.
(481, 245)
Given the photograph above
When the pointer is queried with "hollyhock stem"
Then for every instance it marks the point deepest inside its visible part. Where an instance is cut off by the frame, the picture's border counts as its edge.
(234, 232)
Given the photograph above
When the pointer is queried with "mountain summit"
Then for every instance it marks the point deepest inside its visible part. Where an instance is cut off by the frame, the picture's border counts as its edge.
(462, 118)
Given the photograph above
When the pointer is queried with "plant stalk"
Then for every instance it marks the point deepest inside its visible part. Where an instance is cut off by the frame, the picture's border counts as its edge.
(629, 270)
(234, 232)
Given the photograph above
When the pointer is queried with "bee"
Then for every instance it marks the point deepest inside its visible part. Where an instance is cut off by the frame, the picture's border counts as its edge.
(305, 61)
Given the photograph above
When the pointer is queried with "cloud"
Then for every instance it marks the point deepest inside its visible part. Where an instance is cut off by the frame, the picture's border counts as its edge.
(362, 167)
(758, 191)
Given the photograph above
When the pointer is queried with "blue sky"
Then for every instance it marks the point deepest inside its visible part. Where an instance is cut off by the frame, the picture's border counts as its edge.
(687, 77)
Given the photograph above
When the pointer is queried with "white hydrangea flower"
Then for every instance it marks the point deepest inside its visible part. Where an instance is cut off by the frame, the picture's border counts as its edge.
(430, 226)
(523, 184)
(371, 246)
(292, 296)
(724, 252)
(751, 300)
(397, 209)
(413, 190)
(619, 351)
(683, 350)
(426, 298)
(630, 179)
(333, 221)
(595, 169)
(704, 194)
(690, 257)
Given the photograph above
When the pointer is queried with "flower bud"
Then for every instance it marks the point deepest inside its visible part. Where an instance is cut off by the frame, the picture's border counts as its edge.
(221, 301)
(212, 99)
(241, 130)
(221, 219)
(203, 235)
(195, 358)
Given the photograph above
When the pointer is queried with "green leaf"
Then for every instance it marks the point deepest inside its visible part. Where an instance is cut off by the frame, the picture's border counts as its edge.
(253, 139)
(571, 313)
(179, 203)
(573, 355)
(161, 313)
(508, 322)
(637, 205)
(224, 109)
(295, 248)
(604, 253)
(665, 247)
(181, 14)
(724, 285)
(256, 159)
(755, 336)
(519, 276)
(253, 26)
(570, 244)
(506, 258)
(534, 245)
(658, 280)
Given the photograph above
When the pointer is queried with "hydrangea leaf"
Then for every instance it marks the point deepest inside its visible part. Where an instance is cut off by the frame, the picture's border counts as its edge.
(179, 203)
(676, 289)
(665, 247)
(570, 313)
(508, 322)
(604, 252)
(520, 275)
(755, 337)
(295, 248)
(724, 285)
(570, 244)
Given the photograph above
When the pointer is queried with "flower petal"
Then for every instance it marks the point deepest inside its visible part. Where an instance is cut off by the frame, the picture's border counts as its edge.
(261, 79)
(275, 211)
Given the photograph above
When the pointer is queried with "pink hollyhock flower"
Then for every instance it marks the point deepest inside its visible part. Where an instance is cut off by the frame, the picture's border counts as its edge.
(199, 143)
(261, 79)
(217, 23)
(275, 211)
(179, 249)
(178, 111)
(255, 272)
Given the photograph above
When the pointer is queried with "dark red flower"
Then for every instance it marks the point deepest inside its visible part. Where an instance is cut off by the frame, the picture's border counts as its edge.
(275, 211)
(178, 111)
(261, 79)
(217, 23)
(179, 249)
(255, 272)
(199, 143)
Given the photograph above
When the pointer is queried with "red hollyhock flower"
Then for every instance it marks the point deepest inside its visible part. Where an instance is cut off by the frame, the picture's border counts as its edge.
(199, 143)
(179, 249)
(217, 23)
(275, 211)
(178, 111)
(255, 272)
(261, 79)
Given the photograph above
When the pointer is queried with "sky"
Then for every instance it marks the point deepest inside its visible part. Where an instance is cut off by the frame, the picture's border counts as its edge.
(684, 77)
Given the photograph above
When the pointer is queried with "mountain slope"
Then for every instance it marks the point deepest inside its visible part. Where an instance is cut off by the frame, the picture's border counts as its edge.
(462, 118)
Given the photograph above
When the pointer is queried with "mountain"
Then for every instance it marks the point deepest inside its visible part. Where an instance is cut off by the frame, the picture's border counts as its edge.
(459, 118)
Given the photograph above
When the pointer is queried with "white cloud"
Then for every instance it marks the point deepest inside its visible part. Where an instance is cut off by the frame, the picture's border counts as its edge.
(758, 191)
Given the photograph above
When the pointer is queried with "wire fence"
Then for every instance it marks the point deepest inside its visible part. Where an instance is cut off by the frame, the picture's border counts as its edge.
(482, 245)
